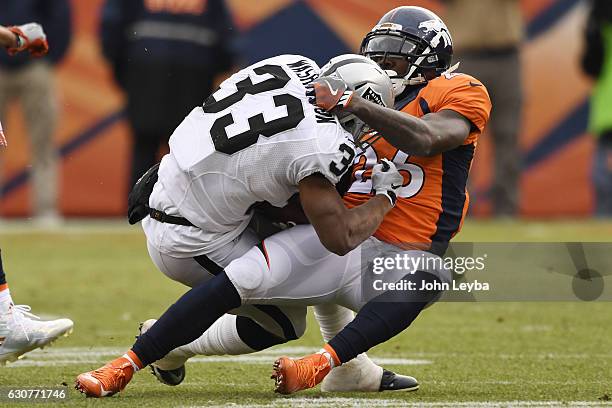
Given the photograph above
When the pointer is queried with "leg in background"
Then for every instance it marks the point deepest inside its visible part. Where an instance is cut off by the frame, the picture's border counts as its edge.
(40, 110)
(506, 96)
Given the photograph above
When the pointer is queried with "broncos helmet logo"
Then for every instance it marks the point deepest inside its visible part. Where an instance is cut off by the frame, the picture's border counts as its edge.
(440, 30)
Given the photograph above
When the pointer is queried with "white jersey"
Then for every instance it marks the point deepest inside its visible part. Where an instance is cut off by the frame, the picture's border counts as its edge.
(253, 140)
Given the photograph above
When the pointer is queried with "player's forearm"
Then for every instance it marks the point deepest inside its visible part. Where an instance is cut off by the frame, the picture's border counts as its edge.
(339, 228)
(342, 229)
(364, 220)
(7, 38)
(403, 131)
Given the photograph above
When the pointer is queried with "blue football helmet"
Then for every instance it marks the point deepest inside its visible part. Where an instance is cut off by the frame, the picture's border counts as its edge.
(415, 34)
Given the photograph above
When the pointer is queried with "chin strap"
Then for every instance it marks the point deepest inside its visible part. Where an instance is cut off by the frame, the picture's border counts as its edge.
(415, 81)
(399, 83)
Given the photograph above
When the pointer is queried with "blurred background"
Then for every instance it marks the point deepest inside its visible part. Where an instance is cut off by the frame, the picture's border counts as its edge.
(543, 100)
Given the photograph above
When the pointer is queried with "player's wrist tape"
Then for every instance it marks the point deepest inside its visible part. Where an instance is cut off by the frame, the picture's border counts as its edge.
(19, 41)
(390, 194)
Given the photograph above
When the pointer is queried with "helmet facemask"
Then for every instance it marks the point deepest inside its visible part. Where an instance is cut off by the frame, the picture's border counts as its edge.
(422, 64)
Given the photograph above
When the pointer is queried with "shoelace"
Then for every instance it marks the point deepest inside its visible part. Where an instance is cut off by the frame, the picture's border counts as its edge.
(307, 373)
(19, 313)
(108, 381)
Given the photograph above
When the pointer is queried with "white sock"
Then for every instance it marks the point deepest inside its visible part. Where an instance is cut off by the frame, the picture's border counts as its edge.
(5, 300)
(359, 374)
(136, 368)
(332, 319)
(328, 356)
(220, 339)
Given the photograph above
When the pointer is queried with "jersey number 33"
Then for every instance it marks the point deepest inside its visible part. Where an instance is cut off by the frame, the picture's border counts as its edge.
(257, 124)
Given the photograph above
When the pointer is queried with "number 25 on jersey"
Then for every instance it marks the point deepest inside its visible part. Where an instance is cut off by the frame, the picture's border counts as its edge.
(414, 176)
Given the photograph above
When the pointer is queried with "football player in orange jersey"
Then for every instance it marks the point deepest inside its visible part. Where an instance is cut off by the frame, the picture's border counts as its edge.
(430, 137)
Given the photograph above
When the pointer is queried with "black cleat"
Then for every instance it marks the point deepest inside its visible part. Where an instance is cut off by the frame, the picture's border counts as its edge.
(169, 377)
(396, 382)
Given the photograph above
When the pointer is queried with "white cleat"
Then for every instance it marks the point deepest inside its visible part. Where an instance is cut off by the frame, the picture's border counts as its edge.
(362, 375)
(22, 331)
(359, 374)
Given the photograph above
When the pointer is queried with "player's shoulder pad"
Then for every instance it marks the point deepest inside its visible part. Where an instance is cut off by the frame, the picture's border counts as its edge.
(457, 80)
(462, 93)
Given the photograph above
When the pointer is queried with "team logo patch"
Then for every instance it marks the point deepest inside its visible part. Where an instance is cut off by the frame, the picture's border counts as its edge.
(373, 96)
(440, 30)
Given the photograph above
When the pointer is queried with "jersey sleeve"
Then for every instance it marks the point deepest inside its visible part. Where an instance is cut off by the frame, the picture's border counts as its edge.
(331, 160)
(465, 95)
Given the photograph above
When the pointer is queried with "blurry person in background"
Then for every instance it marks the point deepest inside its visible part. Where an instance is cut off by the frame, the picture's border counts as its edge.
(597, 63)
(165, 55)
(488, 36)
(21, 331)
(31, 82)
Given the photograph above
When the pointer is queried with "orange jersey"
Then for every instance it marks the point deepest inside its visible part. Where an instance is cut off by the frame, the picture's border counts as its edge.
(433, 201)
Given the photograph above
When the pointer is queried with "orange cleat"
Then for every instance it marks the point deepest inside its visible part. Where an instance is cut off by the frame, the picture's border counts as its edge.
(106, 380)
(292, 375)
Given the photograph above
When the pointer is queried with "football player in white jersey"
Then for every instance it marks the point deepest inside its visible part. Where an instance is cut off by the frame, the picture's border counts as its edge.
(20, 330)
(255, 139)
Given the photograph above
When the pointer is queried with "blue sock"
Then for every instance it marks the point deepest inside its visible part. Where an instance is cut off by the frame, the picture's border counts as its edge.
(187, 319)
(255, 336)
(381, 319)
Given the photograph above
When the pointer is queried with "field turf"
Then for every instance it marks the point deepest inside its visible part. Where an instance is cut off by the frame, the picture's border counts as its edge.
(464, 354)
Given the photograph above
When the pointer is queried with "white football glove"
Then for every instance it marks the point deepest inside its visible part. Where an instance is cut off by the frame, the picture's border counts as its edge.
(386, 180)
(30, 37)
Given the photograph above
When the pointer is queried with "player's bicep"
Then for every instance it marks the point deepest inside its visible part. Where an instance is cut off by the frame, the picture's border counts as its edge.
(450, 129)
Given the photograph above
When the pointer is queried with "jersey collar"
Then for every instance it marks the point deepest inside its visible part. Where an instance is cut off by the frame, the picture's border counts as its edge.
(409, 94)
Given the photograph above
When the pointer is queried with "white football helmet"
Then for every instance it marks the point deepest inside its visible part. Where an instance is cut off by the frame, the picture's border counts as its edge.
(366, 79)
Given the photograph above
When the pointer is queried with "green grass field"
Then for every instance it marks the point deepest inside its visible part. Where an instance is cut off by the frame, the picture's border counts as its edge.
(464, 354)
